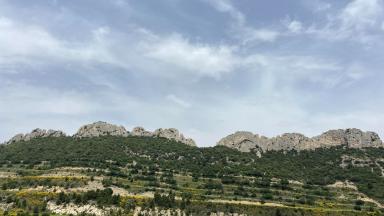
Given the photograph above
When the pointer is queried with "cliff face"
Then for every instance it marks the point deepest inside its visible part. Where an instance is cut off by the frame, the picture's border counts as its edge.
(351, 138)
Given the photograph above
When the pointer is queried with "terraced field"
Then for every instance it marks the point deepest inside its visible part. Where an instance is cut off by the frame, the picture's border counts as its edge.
(40, 190)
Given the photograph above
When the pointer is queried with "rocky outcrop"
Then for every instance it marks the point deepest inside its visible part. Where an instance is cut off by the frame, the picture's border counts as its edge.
(100, 128)
(170, 133)
(173, 134)
(140, 131)
(36, 133)
(351, 138)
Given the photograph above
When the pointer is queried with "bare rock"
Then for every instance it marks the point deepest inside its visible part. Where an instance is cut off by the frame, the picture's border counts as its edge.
(36, 133)
(173, 134)
(241, 140)
(140, 131)
(190, 142)
(290, 141)
(100, 128)
(351, 138)
(170, 133)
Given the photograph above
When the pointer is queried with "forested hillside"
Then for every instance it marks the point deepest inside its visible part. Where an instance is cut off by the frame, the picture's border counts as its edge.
(156, 160)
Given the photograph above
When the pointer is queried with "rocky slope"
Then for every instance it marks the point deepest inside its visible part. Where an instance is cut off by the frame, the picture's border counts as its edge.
(351, 138)
(100, 128)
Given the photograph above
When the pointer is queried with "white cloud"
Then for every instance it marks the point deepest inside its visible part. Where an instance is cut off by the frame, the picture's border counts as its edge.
(19, 40)
(295, 26)
(32, 44)
(266, 35)
(240, 29)
(360, 14)
(141, 48)
(21, 99)
(278, 71)
(227, 7)
(201, 59)
(358, 21)
(323, 6)
(180, 102)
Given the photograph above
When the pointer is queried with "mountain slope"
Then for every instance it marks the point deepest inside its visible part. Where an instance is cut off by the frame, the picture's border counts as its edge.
(321, 166)
(140, 172)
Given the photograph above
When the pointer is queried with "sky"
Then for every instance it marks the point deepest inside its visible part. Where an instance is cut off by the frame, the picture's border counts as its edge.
(206, 67)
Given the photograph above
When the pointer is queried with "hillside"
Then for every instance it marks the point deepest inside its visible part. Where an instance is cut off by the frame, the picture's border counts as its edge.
(324, 181)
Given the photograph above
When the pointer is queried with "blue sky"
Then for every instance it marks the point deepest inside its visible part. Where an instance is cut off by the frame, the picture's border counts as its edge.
(206, 67)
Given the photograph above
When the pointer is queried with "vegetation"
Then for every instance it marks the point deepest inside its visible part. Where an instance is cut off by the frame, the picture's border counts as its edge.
(184, 177)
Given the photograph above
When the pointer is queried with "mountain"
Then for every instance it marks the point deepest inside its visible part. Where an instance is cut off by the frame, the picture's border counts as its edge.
(350, 138)
(103, 169)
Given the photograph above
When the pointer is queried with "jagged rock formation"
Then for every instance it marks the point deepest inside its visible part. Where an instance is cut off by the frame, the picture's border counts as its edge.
(351, 138)
(101, 129)
(140, 131)
(170, 133)
(36, 133)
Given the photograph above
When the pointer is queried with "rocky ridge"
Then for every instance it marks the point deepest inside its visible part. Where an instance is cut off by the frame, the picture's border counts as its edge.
(352, 138)
(100, 128)
(103, 129)
(36, 133)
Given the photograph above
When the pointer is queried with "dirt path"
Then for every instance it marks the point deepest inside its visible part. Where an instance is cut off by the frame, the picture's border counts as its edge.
(367, 199)
(244, 202)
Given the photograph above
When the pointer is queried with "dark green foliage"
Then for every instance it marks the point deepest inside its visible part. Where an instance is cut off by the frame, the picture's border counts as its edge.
(167, 201)
(211, 185)
(102, 197)
(185, 200)
(228, 180)
(30, 182)
(319, 167)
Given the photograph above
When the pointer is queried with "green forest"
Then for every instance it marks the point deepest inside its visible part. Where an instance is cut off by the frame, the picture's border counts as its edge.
(170, 169)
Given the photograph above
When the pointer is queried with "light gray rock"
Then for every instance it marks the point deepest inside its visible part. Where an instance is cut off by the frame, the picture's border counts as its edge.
(36, 133)
(190, 142)
(100, 128)
(173, 134)
(351, 138)
(17, 138)
(241, 140)
(140, 131)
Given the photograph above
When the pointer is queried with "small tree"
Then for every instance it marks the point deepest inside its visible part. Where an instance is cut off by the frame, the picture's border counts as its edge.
(36, 211)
